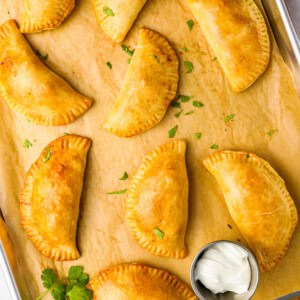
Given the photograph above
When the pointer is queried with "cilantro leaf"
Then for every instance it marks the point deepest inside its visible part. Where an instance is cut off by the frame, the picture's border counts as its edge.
(47, 155)
(156, 58)
(84, 278)
(118, 192)
(109, 64)
(129, 61)
(184, 49)
(271, 132)
(108, 11)
(178, 114)
(197, 135)
(48, 278)
(189, 112)
(229, 118)
(158, 233)
(198, 104)
(27, 144)
(189, 66)
(127, 50)
(183, 98)
(175, 104)
(80, 292)
(59, 292)
(190, 24)
(75, 272)
(124, 177)
(172, 132)
(214, 146)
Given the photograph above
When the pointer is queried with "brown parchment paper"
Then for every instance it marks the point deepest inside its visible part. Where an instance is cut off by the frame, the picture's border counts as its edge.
(78, 51)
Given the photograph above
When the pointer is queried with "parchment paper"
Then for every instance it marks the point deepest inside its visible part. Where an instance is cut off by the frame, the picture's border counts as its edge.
(78, 51)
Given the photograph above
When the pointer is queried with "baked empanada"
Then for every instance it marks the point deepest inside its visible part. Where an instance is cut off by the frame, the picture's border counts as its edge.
(258, 202)
(51, 195)
(157, 203)
(117, 16)
(137, 281)
(149, 86)
(44, 15)
(238, 35)
(30, 88)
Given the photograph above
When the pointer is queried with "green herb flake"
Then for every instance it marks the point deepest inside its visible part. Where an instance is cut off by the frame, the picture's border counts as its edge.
(109, 64)
(79, 292)
(59, 292)
(172, 132)
(40, 55)
(66, 133)
(229, 118)
(27, 144)
(215, 58)
(124, 177)
(121, 192)
(183, 98)
(178, 114)
(197, 135)
(129, 61)
(189, 66)
(48, 278)
(108, 11)
(127, 50)
(47, 155)
(198, 104)
(156, 58)
(214, 146)
(190, 24)
(189, 112)
(184, 49)
(158, 233)
(175, 104)
(271, 132)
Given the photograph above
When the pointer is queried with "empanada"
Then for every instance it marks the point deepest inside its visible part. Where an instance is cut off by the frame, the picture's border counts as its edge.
(149, 86)
(258, 202)
(117, 16)
(30, 88)
(137, 281)
(44, 15)
(157, 203)
(51, 196)
(238, 35)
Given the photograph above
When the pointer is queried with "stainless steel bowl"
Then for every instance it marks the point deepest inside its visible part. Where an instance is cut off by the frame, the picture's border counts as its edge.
(203, 293)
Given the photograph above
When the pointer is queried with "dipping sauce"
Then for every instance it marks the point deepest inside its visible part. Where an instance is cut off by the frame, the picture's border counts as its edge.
(224, 267)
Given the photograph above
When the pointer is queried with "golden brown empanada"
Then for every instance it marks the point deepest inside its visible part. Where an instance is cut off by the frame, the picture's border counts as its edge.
(157, 203)
(258, 202)
(138, 281)
(30, 88)
(117, 16)
(149, 86)
(238, 35)
(44, 15)
(51, 196)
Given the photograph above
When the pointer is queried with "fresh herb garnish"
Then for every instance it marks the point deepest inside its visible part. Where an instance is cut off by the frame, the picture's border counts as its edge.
(124, 177)
(214, 146)
(197, 135)
(156, 58)
(197, 104)
(109, 64)
(158, 233)
(118, 192)
(189, 66)
(214, 58)
(129, 61)
(66, 133)
(71, 288)
(127, 50)
(183, 98)
(175, 104)
(108, 11)
(27, 144)
(40, 55)
(189, 112)
(178, 114)
(172, 132)
(184, 49)
(190, 24)
(271, 132)
(229, 118)
(47, 155)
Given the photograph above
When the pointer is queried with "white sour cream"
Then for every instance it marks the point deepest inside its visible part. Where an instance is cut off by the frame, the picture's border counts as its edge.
(224, 267)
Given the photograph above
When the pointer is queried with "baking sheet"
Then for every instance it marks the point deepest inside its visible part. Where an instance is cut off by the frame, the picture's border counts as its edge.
(78, 51)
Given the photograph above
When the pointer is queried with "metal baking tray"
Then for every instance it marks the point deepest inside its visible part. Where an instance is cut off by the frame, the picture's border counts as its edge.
(284, 18)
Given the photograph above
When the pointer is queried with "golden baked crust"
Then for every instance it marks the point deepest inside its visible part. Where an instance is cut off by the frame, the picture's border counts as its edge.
(258, 202)
(238, 35)
(150, 85)
(30, 88)
(138, 281)
(125, 12)
(158, 200)
(44, 15)
(51, 195)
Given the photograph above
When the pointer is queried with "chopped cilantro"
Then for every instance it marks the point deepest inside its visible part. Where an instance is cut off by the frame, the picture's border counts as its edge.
(190, 24)
(156, 58)
(158, 233)
(229, 118)
(183, 98)
(124, 177)
(127, 50)
(109, 64)
(189, 112)
(214, 146)
(47, 155)
(129, 61)
(175, 104)
(118, 192)
(197, 104)
(271, 132)
(184, 49)
(178, 114)
(189, 66)
(27, 144)
(197, 135)
(172, 132)
(108, 11)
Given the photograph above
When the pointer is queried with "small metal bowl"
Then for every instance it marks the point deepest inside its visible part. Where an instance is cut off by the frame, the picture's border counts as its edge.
(203, 293)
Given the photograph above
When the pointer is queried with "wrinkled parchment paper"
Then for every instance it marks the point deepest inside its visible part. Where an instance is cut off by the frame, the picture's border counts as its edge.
(78, 51)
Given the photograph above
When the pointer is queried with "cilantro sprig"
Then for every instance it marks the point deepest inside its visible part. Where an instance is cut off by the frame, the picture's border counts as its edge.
(71, 288)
